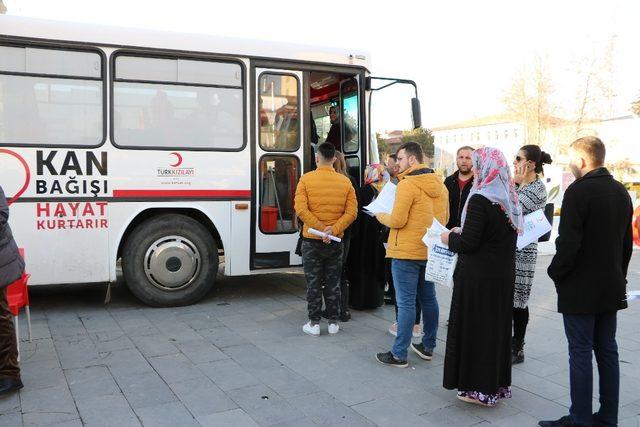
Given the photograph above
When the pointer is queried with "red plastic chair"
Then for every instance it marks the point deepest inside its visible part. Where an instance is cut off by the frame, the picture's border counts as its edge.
(18, 297)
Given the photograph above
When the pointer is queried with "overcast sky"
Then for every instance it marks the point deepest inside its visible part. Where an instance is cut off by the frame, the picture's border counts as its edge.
(462, 54)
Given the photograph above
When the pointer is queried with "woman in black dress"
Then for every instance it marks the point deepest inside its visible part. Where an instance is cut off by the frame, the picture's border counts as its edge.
(478, 354)
(366, 262)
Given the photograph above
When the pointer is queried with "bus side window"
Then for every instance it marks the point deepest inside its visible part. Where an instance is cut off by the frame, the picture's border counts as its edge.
(50, 97)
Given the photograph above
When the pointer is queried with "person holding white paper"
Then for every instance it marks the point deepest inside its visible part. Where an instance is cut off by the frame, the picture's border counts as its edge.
(325, 201)
(532, 196)
(421, 196)
(478, 355)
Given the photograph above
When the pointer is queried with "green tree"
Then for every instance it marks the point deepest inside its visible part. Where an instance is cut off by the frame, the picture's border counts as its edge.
(383, 146)
(422, 136)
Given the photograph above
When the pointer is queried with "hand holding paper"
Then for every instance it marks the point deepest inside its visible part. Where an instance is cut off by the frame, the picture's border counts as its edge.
(384, 202)
(631, 295)
(324, 235)
(534, 226)
(442, 262)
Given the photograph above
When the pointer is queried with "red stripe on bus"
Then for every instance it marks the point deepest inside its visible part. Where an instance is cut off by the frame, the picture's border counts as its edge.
(183, 193)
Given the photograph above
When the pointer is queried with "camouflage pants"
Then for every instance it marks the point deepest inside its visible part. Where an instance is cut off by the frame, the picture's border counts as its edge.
(9, 367)
(322, 266)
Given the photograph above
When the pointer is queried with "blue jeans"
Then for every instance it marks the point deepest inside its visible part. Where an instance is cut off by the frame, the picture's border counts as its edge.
(408, 280)
(596, 333)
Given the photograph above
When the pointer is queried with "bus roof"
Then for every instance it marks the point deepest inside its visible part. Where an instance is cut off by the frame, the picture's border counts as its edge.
(104, 35)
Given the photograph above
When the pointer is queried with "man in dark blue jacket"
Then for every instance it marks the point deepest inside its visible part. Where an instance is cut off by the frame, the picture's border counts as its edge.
(11, 268)
(589, 270)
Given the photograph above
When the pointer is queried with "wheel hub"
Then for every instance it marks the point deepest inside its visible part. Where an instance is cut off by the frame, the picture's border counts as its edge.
(172, 263)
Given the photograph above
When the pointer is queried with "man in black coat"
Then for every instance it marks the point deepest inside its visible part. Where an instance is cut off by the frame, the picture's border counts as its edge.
(459, 185)
(11, 268)
(589, 270)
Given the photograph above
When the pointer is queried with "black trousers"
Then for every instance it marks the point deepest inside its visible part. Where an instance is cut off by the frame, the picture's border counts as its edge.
(520, 322)
(322, 265)
(587, 334)
(9, 367)
(344, 281)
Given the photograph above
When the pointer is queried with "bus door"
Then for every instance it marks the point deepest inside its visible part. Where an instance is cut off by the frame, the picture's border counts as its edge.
(350, 105)
(278, 149)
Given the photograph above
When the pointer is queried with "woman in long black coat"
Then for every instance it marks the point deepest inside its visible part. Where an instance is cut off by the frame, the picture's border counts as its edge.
(478, 353)
(366, 262)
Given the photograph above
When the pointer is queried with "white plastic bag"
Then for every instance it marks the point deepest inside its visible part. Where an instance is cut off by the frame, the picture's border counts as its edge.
(441, 262)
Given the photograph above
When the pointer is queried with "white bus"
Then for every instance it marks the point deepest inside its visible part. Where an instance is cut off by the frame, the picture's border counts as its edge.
(169, 152)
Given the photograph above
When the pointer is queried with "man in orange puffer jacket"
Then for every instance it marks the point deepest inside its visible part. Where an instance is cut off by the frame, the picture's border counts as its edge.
(325, 201)
(421, 196)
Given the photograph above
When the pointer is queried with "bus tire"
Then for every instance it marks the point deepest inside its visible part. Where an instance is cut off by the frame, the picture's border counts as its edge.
(170, 260)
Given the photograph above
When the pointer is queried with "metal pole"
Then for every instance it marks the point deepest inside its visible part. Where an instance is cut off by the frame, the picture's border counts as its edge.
(275, 195)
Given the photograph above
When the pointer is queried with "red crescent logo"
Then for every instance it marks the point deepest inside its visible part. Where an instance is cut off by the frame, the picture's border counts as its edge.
(26, 169)
(178, 158)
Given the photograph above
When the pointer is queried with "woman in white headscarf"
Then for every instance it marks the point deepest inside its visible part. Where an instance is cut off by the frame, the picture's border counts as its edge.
(478, 354)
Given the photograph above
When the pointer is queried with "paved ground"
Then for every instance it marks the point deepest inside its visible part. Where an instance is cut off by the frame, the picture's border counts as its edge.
(239, 359)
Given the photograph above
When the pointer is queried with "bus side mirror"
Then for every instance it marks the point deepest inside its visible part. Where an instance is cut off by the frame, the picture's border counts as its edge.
(415, 113)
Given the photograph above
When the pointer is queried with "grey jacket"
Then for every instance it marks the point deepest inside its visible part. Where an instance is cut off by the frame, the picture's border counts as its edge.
(11, 263)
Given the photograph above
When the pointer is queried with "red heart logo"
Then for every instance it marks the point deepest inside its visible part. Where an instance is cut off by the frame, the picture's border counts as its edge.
(26, 169)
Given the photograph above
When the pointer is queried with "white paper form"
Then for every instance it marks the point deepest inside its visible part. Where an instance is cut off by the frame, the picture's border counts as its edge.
(534, 226)
(385, 200)
(631, 295)
(323, 235)
(442, 262)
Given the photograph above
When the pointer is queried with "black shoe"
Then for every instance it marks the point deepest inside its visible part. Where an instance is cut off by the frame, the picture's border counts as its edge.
(421, 351)
(598, 423)
(562, 422)
(9, 385)
(345, 317)
(517, 351)
(390, 360)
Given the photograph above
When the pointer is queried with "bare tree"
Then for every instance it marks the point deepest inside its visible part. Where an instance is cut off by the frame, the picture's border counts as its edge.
(595, 98)
(3, 8)
(529, 100)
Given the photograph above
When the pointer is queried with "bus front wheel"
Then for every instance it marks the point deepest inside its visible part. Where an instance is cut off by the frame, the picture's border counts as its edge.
(170, 260)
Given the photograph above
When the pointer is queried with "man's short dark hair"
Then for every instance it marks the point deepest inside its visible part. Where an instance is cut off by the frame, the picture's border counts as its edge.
(466, 147)
(592, 147)
(413, 149)
(394, 157)
(327, 151)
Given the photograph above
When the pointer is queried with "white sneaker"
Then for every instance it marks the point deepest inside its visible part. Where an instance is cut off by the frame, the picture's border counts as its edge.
(417, 331)
(333, 328)
(313, 330)
(393, 329)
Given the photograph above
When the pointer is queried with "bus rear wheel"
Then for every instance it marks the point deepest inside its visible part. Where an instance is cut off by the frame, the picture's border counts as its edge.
(170, 260)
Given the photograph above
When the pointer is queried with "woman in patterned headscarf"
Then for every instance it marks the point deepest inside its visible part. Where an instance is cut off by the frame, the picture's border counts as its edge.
(478, 355)
(366, 262)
